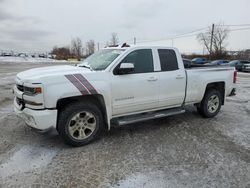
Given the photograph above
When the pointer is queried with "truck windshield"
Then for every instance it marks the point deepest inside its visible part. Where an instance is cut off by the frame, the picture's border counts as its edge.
(102, 59)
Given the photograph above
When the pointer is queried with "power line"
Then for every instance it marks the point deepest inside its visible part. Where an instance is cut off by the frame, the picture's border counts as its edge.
(184, 35)
(235, 25)
(194, 31)
(240, 29)
(174, 37)
(167, 38)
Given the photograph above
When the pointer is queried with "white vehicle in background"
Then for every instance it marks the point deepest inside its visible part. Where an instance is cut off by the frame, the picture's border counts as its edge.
(246, 67)
(118, 86)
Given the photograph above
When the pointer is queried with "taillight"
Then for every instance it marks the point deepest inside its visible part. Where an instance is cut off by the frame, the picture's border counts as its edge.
(235, 76)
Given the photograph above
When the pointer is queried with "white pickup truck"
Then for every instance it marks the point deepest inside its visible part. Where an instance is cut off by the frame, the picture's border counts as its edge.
(117, 86)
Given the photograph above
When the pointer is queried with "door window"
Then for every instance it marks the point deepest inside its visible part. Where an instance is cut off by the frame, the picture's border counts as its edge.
(142, 60)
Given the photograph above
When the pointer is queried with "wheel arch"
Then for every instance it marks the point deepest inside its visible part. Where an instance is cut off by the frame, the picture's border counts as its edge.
(220, 86)
(96, 99)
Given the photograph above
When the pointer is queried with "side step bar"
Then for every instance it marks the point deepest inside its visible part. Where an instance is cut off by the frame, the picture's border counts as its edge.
(146, 116)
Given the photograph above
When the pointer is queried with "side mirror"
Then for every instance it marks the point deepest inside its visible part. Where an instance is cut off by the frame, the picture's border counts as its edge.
(125, 68)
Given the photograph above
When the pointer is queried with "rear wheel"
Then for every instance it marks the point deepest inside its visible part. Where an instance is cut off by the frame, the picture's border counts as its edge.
(210, 104)
(80, 123)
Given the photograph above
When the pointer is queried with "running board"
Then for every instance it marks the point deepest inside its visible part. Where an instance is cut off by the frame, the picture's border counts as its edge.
(146, 116)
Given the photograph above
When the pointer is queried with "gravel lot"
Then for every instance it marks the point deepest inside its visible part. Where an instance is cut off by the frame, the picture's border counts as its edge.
(179, 151)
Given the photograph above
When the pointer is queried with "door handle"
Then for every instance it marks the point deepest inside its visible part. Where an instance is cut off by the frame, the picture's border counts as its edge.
(152, 79)
(179, 77)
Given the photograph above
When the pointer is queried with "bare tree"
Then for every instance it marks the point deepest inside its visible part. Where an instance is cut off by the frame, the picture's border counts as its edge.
(90, 47)
(205, 40)
(220, 35)
(219, 39)
(61, 52)
(76, 47)
(114, 39)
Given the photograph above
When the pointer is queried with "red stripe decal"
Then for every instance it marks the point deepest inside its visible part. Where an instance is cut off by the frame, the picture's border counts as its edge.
(86, 83)
(82, 84)
(77, 84)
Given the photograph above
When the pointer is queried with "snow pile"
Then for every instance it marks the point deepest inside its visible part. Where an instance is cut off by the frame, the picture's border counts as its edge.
(29, 60)
(27, 159)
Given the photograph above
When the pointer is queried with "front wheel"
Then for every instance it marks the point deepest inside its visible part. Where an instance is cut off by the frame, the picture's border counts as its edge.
(80, 123)
(210, 104)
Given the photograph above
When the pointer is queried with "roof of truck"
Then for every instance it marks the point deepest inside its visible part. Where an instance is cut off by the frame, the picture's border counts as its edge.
(137, 46)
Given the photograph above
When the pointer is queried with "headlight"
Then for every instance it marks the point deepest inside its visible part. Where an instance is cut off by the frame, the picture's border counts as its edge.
(32, 90)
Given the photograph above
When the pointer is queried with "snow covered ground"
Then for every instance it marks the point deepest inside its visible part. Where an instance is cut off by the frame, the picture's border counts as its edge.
(28, 60)
(179, 151)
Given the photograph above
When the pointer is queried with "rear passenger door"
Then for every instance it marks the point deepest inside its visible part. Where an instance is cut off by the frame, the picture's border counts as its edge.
(172, 79)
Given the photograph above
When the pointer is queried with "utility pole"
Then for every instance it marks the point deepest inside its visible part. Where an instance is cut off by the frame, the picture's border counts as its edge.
(134, 40)
(172, 42)
(98, 46)
(212, 38)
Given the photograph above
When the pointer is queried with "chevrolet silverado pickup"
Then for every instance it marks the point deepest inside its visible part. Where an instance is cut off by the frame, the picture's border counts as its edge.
(117, 86)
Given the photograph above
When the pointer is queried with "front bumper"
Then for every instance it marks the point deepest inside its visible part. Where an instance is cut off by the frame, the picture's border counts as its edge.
(38, 119)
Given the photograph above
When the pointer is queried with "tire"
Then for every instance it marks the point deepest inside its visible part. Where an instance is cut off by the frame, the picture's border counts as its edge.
(80, 123)
(207, 108)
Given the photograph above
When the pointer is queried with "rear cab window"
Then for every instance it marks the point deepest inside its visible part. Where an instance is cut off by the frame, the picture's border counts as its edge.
(168, 60)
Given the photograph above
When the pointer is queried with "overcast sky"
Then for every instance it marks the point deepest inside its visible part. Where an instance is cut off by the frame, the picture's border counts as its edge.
(38, 25)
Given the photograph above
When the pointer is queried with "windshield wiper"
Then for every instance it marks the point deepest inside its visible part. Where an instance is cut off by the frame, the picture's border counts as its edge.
(86, 66)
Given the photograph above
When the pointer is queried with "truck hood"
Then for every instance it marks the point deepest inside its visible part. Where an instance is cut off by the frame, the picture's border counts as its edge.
(36, 74)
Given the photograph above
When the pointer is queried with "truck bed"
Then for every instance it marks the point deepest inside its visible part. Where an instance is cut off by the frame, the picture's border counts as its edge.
(207, 66)
(199, 77)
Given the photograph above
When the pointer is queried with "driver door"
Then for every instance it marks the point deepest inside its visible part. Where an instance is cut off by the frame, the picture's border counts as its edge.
(138, 90)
